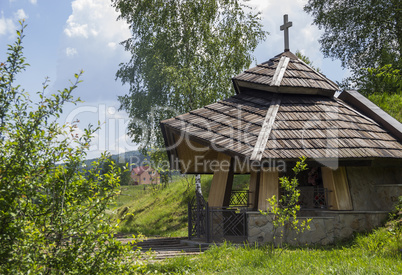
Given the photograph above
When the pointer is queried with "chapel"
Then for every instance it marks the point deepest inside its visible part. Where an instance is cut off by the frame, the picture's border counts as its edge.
(284, 110)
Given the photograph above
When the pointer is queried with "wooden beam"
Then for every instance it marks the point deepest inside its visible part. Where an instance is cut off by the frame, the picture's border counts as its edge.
(368, 108)
(269, 186)
(337, 182)
(229, 184)
(220, 181)
(266, 128)
(280, 71)
(253, 189)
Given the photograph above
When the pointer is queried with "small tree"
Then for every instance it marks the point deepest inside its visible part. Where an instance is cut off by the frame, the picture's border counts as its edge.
(125, 173)
(52, 212)
(286, 207)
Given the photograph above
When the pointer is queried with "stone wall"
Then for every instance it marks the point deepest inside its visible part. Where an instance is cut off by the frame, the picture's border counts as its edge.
(374, 188)
(326, 228)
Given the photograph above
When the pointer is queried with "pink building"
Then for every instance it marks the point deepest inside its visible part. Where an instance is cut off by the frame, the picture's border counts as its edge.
(145, 175)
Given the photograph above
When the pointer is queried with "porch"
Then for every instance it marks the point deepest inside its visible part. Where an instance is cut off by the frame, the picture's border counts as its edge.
(238, 223)
(234, 221)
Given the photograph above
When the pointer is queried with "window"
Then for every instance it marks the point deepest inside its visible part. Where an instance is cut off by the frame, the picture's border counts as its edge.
(312, 192)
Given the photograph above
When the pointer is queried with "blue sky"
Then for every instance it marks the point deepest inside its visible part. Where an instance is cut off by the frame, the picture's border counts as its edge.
(66, 36)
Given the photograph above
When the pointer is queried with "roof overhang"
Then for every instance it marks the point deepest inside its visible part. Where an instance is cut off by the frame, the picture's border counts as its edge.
(325, 130)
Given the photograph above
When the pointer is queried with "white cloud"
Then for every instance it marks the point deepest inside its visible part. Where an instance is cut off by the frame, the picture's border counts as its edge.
(302, 35)
(71, 51)
(112, 45)
(20, 14)
(76, 30)
(7, 26)
(33, 2)
(94, 34)
(95, 18)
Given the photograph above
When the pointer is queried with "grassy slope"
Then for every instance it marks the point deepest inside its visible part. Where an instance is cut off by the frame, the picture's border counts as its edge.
(390, 103)
(161, 211)
(154, 211)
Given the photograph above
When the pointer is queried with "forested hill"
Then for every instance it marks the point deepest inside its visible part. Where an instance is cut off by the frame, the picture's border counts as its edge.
(131, 157)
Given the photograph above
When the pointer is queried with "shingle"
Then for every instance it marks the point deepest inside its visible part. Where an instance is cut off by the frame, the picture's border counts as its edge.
(297, 75)
(301, 127)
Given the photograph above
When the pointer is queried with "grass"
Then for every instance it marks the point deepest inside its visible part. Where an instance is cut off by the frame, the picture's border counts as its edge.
(153, 211)
(161, 210)
(390, 103)
(228, 259)
(378, 252)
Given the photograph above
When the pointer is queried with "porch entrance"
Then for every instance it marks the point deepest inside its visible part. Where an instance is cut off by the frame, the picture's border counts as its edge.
(218, 223)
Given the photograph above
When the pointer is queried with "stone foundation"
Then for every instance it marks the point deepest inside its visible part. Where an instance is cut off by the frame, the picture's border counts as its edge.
(326, 227)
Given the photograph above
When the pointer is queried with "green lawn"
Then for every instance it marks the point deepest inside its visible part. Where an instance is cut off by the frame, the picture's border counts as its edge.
(378, 252)
(231, 260)
(155, 210)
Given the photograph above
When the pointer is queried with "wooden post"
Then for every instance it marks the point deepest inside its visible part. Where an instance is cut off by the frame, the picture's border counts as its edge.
(220, 181)
(253, 189)
(337, 182)
(229, 184)
(269, 186)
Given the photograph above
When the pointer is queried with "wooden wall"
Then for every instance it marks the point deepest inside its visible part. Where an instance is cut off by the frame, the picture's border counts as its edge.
(269, 186)
(337, 182)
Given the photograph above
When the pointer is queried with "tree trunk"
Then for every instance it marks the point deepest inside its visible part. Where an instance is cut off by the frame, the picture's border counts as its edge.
(198, 184)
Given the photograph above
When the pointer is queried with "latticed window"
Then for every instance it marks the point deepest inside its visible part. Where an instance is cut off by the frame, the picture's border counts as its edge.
(239, 198)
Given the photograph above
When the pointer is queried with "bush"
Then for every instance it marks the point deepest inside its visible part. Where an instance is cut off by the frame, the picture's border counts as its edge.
(386, 240)
(52, 212)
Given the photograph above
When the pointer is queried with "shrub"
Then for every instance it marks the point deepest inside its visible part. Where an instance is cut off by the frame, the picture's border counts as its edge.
(52, 212)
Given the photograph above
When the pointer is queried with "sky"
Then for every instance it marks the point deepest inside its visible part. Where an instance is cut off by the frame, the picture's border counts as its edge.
(64, 37)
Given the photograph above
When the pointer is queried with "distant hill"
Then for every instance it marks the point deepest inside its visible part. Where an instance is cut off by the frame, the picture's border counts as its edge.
(133, 158)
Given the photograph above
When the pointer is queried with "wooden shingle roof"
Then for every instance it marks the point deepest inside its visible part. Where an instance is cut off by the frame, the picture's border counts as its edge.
(283, 110)
(285, 73)
(313, 126)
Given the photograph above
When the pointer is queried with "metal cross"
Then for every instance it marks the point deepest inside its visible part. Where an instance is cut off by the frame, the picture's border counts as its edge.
(286, 25)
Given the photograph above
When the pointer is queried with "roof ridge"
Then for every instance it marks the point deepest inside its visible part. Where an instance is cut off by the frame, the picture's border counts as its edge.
(277, 75)
(280, 71)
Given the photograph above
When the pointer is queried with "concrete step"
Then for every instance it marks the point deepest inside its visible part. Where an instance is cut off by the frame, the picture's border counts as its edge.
(162, 248)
